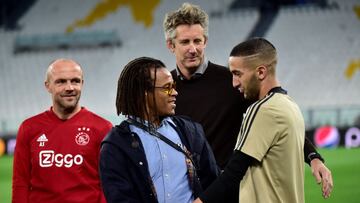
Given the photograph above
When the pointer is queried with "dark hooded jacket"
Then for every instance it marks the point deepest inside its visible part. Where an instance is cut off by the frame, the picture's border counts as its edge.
(124, 169)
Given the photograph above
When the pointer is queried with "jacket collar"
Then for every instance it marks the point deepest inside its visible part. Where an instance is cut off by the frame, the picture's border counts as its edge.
(278, 89)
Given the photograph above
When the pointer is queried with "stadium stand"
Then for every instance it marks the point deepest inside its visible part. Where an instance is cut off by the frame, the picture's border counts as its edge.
(74, 40)
(315, 46)
(12, 11)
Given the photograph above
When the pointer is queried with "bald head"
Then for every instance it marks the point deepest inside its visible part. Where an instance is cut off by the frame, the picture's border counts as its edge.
(64, 81)
(59, 64)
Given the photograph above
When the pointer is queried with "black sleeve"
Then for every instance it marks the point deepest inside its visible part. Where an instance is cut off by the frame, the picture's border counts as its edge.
(226, 186)
(310, 152)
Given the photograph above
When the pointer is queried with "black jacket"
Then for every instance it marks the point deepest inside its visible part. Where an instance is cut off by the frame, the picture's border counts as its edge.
(124, 169)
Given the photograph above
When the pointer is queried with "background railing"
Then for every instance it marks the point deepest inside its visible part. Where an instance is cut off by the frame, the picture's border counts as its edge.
(335, 116)
(314, 117)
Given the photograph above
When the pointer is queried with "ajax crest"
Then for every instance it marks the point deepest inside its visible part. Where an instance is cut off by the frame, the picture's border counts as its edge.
(82, 138)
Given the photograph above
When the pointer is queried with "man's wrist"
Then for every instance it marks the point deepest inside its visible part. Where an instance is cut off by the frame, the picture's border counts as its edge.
(314, 155)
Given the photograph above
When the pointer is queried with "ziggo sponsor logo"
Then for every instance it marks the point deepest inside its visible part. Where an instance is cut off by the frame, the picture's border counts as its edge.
(48, 158)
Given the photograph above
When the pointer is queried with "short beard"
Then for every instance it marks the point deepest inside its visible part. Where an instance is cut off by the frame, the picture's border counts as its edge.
(253, 90)
(66, 109)
(69, 110)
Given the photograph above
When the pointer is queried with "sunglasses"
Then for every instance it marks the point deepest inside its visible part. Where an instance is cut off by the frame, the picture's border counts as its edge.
(168, 88)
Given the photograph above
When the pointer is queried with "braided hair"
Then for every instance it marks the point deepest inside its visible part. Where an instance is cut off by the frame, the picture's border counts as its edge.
(133, 84)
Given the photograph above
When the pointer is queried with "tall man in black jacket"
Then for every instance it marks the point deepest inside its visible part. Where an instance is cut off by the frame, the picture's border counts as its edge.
(205, 89)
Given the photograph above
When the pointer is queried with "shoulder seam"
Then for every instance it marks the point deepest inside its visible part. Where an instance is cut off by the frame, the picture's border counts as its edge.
(249, 119)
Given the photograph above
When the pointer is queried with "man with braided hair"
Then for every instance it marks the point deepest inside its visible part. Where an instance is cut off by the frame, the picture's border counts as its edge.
(153, 156)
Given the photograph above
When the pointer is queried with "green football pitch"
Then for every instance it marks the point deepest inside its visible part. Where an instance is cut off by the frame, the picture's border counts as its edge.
(344, 164)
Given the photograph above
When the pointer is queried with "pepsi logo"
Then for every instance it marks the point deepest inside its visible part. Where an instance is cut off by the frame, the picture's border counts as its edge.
(327, 137)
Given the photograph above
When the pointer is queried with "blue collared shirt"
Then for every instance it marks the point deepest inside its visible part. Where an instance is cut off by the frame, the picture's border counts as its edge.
(167, 166)
(199, 72)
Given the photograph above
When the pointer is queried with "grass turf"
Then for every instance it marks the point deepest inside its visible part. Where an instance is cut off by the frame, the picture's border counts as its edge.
(345, 167)
(5, 178)
(344, 164)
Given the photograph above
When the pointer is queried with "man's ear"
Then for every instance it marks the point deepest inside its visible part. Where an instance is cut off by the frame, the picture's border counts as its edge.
(46, 83)
(205, 41)
(170, 45)
(261, 72)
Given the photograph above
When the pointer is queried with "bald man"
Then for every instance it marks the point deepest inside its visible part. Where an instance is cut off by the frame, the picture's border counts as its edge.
(57, 151)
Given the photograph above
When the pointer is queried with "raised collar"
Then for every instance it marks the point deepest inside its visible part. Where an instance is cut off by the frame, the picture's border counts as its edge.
(278, 89)
(198, 73)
